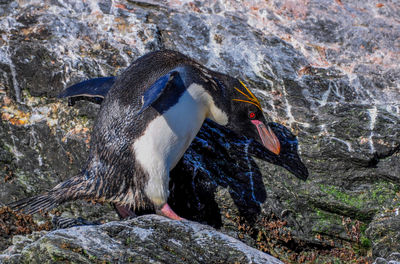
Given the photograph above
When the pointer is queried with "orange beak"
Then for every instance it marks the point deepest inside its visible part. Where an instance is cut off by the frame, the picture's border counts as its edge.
(268, 137)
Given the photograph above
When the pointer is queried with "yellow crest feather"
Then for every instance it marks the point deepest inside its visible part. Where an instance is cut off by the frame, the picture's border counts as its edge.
(249, 95)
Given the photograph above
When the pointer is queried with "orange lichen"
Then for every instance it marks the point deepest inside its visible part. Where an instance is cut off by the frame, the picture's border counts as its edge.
(293, 8)
(194, 7)
(15, 116)
(121, 6)
(339, 2)
(78, 131)
(306, 70)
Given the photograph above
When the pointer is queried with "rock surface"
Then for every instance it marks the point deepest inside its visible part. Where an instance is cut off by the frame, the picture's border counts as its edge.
(327, 69)
(146, 239)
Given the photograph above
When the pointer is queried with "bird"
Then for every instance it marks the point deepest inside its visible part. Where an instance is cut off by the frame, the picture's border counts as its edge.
(148, 117)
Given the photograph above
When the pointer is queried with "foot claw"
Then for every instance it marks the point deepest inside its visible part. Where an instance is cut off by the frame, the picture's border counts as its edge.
(60, 222)
(124, 212)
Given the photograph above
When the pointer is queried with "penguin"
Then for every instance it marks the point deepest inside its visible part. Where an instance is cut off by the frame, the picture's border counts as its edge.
(148, 117)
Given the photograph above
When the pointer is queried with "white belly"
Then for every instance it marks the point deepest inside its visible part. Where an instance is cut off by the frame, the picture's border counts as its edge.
(166, 139)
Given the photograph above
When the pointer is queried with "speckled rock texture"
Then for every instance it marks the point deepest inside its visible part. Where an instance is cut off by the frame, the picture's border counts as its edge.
(145, 239)
(328, 69)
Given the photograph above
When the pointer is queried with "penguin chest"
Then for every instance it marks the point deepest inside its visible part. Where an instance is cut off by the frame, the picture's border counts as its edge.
(167, 137)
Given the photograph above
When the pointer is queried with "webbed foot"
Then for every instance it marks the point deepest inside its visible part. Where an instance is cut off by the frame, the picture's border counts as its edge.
(60, 222)
(168, 212)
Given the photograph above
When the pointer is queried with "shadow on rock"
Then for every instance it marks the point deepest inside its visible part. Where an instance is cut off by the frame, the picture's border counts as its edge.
(217, 162)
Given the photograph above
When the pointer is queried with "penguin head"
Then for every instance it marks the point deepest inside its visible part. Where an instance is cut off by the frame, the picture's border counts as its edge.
(250, 122)
(246, 117)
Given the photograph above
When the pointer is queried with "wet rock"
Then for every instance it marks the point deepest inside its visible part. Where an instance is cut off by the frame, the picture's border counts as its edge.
(146, 239)
(329, 70)
(384, 232)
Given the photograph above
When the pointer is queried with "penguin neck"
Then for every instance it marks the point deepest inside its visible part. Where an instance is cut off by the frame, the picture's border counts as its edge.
(217, 115)
(212, 111)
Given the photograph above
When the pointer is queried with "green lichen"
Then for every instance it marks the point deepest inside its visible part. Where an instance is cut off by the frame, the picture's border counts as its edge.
(384, 192)
(365, 242)
(83, 119)
(6, 147)
(129, 241)
(58, 258)
(325, 221)
(337, 194)
(87, 254)
(380, 194)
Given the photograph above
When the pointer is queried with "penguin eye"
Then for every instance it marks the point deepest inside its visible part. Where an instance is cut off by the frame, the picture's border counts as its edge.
(252, 115)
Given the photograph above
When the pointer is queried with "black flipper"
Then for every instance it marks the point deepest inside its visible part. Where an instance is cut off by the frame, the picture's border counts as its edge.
(171, 79)
(96, 89)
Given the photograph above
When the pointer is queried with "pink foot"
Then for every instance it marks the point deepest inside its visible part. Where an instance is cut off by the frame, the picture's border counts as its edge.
(168, 212)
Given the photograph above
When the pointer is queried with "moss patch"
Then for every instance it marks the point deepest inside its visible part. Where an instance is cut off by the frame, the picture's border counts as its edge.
(379, 196)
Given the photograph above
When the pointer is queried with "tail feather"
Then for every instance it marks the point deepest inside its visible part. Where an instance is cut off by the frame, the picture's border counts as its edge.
(44, 202)
(65, 191)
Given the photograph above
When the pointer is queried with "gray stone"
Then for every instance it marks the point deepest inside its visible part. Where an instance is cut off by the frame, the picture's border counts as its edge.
(146, 239)
(393, 258)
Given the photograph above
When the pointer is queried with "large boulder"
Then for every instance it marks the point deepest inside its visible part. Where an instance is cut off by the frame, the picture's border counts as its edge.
(146, 239)
(329, 70)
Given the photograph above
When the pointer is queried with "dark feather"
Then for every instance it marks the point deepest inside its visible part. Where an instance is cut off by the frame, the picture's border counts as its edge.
(97, 87)
(157, 89)
(31, 205)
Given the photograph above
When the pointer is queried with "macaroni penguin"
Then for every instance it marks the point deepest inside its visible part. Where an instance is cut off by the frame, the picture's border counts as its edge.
(149, 115)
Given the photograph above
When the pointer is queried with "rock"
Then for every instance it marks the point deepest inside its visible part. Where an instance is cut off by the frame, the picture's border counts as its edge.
(329, 70)
(146, 239)
(384, 232)
(394, 258)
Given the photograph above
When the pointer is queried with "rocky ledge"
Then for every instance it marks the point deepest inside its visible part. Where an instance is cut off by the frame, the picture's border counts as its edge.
(145, 239)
